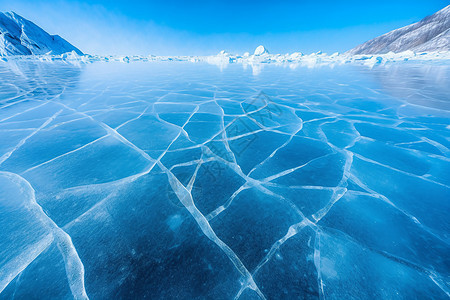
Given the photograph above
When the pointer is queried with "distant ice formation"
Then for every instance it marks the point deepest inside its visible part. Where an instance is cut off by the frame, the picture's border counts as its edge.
(223, 58)
(260, 50)
(18, 36)
(430, 34)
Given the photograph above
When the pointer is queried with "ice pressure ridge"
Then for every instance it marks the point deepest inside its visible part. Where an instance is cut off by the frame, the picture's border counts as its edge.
(183, 181)
(260, 57)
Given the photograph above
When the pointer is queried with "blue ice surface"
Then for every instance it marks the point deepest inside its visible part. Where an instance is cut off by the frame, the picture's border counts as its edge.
(183, 180)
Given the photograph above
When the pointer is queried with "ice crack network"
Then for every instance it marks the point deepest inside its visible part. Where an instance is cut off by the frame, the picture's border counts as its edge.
(247, 181)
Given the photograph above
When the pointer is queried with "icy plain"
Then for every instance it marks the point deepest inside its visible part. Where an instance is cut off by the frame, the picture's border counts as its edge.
(167, 180)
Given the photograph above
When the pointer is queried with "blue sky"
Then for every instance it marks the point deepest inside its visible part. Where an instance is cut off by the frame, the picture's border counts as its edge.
(206, 27)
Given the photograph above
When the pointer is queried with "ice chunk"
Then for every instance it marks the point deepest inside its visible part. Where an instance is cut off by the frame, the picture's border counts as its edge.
(260, 50)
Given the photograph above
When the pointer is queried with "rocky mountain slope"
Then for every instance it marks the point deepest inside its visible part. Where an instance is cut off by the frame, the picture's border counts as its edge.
(18, 36)
(430, 34)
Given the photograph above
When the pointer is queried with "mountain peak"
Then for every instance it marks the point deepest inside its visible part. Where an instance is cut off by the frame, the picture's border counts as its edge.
(19, 36)
(430, 34)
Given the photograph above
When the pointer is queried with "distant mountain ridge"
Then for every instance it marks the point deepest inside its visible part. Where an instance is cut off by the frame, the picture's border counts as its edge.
(18, 36)
(430, 34)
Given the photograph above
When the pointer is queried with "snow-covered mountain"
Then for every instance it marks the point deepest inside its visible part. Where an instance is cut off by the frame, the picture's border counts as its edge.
(18, 36)
(430, 34)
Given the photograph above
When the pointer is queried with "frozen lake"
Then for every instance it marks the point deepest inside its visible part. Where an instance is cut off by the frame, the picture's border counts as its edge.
(195, 181)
